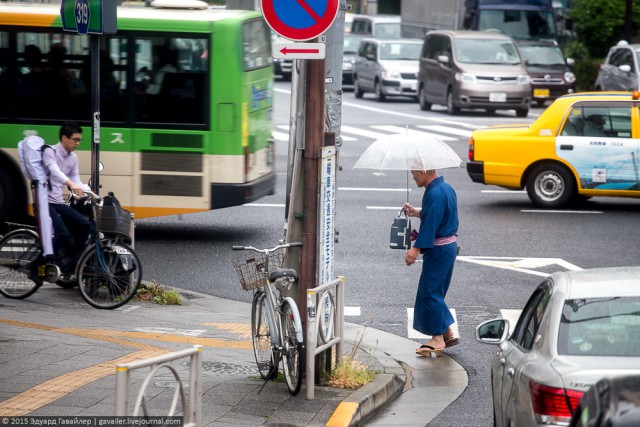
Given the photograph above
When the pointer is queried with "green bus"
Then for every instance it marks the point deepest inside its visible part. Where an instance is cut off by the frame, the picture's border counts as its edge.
(186, 104)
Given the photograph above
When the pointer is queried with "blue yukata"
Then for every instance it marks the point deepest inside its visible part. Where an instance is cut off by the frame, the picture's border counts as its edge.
(438, 225)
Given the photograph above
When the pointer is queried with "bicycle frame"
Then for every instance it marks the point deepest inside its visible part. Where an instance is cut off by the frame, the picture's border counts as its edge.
(276, 326)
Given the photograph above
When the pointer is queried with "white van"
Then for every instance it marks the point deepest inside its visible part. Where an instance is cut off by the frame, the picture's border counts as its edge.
(379, 26)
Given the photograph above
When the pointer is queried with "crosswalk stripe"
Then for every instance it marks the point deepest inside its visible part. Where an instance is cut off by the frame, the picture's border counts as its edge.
(412, 132)
(280, 136)
(412, 333)
(446, 129)
(362, 132)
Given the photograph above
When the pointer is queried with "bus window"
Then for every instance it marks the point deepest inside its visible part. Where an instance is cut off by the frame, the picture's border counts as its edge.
(170, 78)
(257, 45)
(5, 73)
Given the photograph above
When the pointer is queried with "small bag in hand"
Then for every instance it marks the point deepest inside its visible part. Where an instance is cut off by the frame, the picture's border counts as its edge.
(400, 232)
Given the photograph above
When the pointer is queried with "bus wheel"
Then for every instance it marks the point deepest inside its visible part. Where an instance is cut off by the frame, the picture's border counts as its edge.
(8, 197)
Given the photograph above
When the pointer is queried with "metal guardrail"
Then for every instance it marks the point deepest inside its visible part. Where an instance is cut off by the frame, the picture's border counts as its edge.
(192, 411)
(336, 332)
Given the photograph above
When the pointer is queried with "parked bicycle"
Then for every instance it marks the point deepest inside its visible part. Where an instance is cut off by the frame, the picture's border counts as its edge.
(276, 326)
(108, 272)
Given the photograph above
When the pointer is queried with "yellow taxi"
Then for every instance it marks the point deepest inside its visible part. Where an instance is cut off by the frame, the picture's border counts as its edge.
(582, 145)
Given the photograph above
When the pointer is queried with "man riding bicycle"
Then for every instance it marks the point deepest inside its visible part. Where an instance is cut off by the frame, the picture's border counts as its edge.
(71, 228)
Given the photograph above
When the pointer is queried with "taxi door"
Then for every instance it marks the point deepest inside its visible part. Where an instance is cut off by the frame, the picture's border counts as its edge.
(596, 140)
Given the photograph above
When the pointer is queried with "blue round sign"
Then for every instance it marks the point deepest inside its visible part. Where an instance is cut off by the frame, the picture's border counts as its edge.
(82, 14)
(300, 19)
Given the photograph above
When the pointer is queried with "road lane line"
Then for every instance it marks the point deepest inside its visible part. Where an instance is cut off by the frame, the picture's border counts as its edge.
(362, 132)
(447, 129)
(560, 212)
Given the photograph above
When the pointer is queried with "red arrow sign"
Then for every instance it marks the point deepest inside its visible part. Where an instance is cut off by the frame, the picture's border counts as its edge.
(285, 51)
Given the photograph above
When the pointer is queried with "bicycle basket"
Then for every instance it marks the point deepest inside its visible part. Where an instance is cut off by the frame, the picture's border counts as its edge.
(114, 219)
(251, 268)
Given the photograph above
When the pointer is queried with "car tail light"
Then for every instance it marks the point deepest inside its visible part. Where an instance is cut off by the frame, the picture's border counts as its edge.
(553, 405)
(471, 148)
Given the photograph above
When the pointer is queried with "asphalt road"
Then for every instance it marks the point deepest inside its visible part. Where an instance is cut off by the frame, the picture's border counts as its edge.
(508, 246)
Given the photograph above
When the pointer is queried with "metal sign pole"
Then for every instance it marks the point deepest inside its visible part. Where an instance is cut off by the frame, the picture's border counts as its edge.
(94, 41)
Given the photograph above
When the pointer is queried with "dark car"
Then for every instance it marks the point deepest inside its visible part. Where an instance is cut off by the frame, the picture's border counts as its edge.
(349, 52)
(550, 72)
(611, 402)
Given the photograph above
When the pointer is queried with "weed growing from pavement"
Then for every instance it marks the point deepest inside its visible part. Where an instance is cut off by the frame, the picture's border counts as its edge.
(350, 372)
(153, 292)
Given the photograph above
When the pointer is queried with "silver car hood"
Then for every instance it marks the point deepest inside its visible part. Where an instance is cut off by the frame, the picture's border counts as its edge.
(401, 66)
(581, 372)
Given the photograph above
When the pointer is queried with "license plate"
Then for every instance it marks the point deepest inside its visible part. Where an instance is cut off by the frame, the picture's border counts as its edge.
(498, 97)
(541, 93)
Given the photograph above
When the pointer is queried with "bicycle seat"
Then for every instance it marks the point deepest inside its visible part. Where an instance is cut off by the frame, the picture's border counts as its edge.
(282, 273)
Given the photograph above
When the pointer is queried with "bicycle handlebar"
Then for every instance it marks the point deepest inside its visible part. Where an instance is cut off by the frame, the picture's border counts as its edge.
(251, 248)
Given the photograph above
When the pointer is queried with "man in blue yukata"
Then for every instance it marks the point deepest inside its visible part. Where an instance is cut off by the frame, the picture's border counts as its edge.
(436, 241)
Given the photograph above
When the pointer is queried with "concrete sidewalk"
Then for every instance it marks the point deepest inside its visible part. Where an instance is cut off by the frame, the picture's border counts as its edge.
(58, 357)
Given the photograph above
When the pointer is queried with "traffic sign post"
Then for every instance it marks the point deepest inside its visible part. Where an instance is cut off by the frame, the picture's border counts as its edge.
(91, 17)
(299, 20)
(299, 50)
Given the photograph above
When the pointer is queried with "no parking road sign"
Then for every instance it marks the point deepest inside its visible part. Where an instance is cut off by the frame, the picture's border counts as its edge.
(300, 20)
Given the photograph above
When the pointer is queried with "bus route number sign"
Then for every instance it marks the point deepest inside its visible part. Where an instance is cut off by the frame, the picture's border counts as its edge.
(89, 16)
(300, 20)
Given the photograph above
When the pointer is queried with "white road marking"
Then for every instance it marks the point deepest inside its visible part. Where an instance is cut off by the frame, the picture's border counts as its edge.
(352, 311)
(128, 308)
(412, 116)
(362, 132)
(446, 129)
(522, 265)
(412, 333)
(404, 190)
(280, 136)
(385, 208)
(286, 127)
(173, 331)
(399, 130)
(559, 212)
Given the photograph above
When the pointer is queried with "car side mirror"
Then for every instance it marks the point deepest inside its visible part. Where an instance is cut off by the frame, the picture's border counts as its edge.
(494, 331)
(570, 62)
(625, 68)
(443, 59)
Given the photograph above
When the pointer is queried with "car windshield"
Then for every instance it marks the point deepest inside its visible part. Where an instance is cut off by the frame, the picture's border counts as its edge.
(519, 24)
(389, 30)
(351, 43)
(542, 55)
(600, 327)
(478, 51)
(400, 51)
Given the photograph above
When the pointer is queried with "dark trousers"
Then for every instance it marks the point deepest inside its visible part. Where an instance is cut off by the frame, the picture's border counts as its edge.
(71, 230)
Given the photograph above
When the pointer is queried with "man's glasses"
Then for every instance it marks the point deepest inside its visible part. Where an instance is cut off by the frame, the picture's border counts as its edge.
(78, 140)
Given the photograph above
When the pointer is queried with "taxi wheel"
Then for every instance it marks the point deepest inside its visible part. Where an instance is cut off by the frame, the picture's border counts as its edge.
(550, 186)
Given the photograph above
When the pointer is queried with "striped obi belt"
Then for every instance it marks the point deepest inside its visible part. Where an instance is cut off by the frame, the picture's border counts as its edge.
(441, 241)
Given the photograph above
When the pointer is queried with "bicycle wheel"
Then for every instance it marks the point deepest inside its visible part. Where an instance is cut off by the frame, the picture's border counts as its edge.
(292, 354)
(261, 336)
(109, 275)
(19, 252)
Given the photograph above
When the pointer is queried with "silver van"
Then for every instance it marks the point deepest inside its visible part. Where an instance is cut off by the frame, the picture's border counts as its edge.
(387, 68)
(473, 69)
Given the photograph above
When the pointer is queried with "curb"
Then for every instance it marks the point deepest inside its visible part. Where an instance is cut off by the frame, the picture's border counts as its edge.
(367, 400)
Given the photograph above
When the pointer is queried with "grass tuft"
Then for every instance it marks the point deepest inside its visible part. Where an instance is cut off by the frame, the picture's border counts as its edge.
(352, 373)
(155, 293)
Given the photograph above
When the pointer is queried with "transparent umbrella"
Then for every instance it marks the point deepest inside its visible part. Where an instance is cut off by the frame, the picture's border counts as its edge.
(408, 151)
